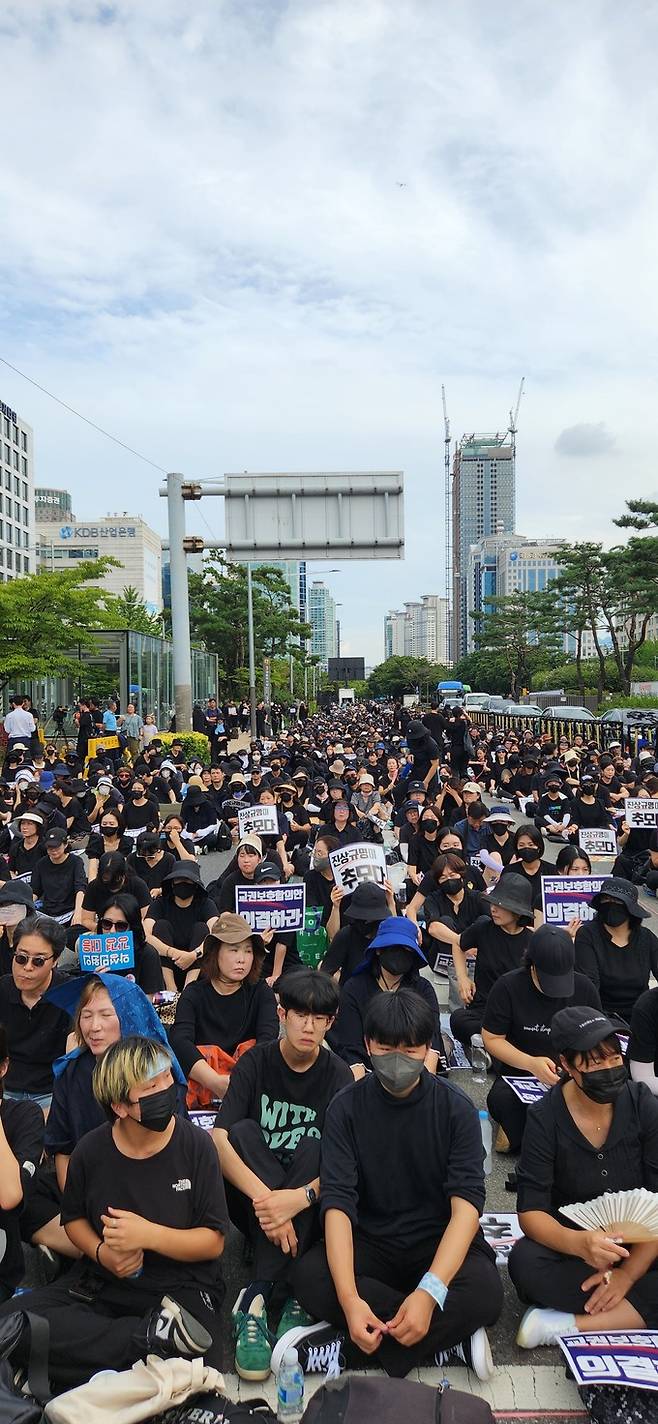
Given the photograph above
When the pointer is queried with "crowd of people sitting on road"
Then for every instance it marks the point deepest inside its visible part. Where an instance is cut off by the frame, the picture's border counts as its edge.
(300, 1085)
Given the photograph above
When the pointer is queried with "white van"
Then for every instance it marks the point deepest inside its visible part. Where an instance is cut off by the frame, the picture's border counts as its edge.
(476, 702)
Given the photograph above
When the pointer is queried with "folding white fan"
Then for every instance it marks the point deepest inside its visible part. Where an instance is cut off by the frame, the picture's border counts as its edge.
(631, 1215)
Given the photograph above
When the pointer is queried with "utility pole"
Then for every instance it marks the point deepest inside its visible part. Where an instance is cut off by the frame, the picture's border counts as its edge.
(252, 654)
(180, 606)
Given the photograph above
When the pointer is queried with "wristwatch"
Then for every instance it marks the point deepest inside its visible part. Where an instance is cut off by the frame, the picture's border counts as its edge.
(311, 1195)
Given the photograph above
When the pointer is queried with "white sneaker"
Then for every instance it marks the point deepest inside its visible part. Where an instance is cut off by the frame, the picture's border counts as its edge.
(474, 1352)
(544, 1327)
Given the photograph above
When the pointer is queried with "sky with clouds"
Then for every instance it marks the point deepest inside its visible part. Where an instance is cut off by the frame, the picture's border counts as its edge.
(205, 247)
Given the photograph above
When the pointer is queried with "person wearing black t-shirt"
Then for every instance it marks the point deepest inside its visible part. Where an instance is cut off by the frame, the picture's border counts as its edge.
(449, 910)
(587, 810)
(448, 842)
(500, 840)
(77, 822)
(517, 1023)
(146, 1284)
(21, 1146)
(140, 812)
(422, 850)
(320, 885)
(36, 1030)
(269, 1134)
(27, 847)
(58, 879)
(107, 836)
(226, 1010)
(177, 922)
(594, 1133)
(404, 1266)
(527, 862)
(500, 943)
(150, 862)
(615, 950)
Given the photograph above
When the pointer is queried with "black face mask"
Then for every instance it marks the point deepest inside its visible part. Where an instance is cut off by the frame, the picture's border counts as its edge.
(613, 915)
(528, 854)
(604, 1085)
(157, 1109)
(451, 886)
(396, 960)
(429, 824)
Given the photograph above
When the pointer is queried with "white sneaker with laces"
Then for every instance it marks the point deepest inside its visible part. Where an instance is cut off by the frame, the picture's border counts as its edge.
(544, 1327)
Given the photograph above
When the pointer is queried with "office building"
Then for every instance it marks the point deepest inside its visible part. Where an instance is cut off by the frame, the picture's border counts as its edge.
(483, 504)
(419, 630)
(505, 564)
(16, 495)
(52, 506)
(125, 537)
(321, 614)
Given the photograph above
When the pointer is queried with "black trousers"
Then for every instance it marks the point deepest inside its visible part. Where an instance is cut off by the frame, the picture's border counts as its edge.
(109, 1333)
(385, 1274)
(270, 1262)
(467, 1021)
(506, 1109)
(547, 1278)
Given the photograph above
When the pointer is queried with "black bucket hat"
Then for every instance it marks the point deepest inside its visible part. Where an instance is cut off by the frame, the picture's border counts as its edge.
(513, 893)
(617, 889)
(368, 902)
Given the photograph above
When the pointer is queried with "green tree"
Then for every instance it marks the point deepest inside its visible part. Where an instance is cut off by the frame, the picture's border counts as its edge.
(44, 616)
(128, 610)
(218, 619)
(484, 671)
(525, 629)
(630, 599)
(401, 674)
(582, 585)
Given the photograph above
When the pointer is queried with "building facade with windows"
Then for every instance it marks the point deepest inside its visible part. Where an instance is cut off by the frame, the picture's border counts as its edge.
(52, 505)
(503, 565)
(419, 630)
(17, 552)
(483, 504)
(126, 537)
(321, 614)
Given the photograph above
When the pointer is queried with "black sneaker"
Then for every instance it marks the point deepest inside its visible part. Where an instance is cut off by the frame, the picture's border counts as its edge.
(474, 1352)
(171, 1330)
(320, 1349)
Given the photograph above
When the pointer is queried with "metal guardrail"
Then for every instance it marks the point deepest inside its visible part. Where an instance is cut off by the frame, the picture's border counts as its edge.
(603, 733)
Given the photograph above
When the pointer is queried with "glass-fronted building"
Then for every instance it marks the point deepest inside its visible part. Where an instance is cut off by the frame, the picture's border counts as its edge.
(135, 667)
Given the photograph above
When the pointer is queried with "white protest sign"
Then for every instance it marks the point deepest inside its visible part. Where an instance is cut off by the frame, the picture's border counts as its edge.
(597, 841)
(354, 865)
(258, 820)
(640, 813)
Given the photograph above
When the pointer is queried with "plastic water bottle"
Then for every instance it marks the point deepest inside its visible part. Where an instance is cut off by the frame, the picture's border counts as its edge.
(290, 1389)
(487, 1139)
(478, 1059)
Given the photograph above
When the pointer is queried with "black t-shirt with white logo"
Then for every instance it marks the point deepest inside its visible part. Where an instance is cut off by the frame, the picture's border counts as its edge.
(518, 1011)
(180, 1187)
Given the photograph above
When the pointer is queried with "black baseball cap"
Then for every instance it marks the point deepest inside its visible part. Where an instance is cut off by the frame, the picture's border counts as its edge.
(552, 952)
(56, 837)
(267, 870)
(579, 1028)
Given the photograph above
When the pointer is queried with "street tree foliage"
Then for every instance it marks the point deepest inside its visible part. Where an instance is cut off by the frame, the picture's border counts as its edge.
(45, 616)
(218, 619)
(525, 630)
(401, 674)
(128, 610)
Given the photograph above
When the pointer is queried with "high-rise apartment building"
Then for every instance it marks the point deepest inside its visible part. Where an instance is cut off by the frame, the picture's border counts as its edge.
(483, 504)
(419, 630)
(16, 495)
(321, 614)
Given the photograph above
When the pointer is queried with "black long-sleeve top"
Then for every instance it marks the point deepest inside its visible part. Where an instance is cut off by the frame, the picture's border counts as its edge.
(620, 973)
(346, 1036)
(392, 1165)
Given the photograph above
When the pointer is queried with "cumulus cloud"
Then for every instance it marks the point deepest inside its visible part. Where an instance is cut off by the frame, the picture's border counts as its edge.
(583, 441)
(204, 246)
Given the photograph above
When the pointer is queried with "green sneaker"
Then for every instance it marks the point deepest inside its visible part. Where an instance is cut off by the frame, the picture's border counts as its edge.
(253, 1346)
(292, 1318)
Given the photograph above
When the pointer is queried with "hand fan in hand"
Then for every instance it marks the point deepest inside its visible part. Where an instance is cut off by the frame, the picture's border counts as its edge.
(632, 1215)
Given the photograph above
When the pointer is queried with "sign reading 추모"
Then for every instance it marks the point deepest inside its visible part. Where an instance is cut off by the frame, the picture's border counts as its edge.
(597, 841)
(271, 907)
(641, 813)
(258, 820)
(106, 951)
(358, 864)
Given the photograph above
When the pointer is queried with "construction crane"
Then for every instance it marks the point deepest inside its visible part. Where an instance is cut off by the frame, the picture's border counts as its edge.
(513, 418)
(448, 524)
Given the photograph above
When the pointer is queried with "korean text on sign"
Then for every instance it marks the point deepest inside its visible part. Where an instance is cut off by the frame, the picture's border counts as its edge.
(258, 820)
(271, 907)
(595, 841)
(528, 1090)
(358, 864)
(618, 1357)
(106, 951)
(568, 897)
(640, 813)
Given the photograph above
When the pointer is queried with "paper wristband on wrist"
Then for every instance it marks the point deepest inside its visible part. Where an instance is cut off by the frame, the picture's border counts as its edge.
(434, 1287)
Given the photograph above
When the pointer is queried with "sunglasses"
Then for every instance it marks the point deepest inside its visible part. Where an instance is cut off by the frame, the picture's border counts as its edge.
(108, 926)
(37, 961)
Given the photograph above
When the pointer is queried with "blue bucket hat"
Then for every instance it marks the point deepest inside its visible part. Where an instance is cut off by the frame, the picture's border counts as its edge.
(134, 1011)
(395, 932)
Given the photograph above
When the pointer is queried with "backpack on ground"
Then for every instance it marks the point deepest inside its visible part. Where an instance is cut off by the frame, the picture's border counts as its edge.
(17, 1406)
(358, 1399)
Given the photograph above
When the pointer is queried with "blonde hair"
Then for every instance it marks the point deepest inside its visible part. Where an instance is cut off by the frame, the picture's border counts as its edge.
(125, 1064)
